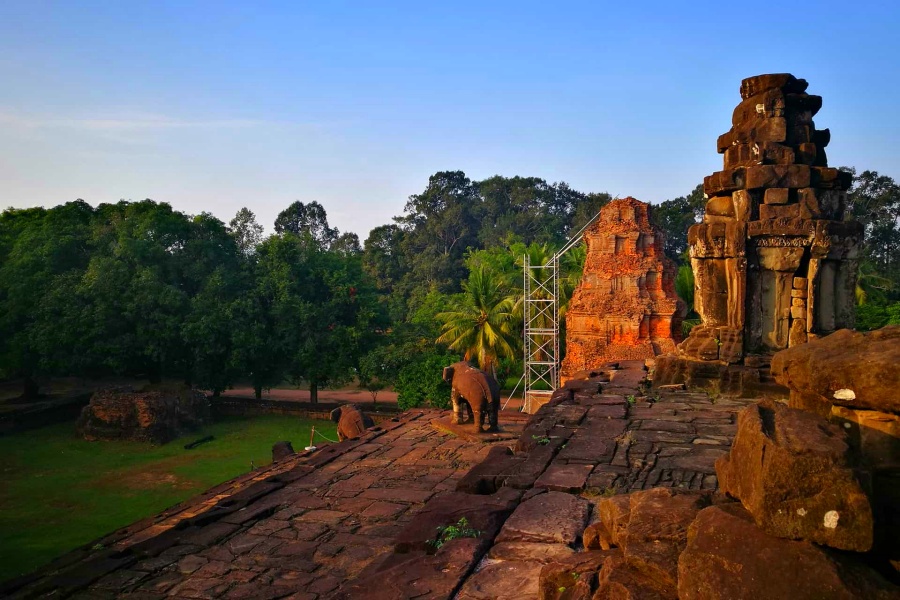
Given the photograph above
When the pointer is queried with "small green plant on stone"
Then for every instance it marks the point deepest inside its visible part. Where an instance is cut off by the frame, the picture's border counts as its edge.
(543, 440)
(447, 533)
(561, 589)
(631, 399)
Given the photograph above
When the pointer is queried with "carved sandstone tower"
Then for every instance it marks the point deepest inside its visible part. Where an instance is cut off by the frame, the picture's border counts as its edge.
(773, 261)
(625, 306)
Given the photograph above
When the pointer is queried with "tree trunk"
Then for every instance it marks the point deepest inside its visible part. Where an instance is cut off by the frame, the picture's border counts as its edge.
(257, 390)
(314, 392)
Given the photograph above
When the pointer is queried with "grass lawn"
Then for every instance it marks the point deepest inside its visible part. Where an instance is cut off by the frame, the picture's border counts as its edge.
(59, 492)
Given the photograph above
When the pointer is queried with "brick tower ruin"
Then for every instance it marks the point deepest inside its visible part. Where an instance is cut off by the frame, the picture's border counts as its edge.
(625, 306)
(774, 263)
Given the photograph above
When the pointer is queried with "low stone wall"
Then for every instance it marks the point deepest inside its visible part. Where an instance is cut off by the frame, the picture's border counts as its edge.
(237, 406)
(45, 411)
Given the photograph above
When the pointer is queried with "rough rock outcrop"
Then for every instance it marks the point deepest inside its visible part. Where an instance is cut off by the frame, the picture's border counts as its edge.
(729, 558)
(851, 369)
(156, 414)
(774, 262)
(650, 528)
(625, 306)
(790, 469)
(852, 378)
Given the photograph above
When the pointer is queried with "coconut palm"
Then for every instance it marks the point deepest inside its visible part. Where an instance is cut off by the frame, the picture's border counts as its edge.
(480, 322)
(870, 286)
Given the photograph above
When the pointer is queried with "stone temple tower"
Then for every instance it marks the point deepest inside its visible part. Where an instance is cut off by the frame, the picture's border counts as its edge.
(625, 306)
(774, 262)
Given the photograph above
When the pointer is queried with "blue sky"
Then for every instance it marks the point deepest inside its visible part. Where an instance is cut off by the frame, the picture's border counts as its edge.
(212, 106)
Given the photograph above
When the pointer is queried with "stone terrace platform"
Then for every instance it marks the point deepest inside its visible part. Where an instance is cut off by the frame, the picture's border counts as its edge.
(297, 528)
(592, 440)
(354, 519)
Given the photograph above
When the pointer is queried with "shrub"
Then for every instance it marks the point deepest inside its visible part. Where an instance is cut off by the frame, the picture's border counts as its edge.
(420, 382)
(871, 316)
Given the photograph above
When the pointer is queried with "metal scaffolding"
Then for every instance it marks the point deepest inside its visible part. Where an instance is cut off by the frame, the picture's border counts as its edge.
(541, 325)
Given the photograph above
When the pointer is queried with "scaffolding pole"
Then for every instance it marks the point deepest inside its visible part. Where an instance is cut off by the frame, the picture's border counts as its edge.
(541, 324)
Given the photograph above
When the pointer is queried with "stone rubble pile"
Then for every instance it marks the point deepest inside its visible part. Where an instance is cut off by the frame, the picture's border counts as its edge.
(157, 414)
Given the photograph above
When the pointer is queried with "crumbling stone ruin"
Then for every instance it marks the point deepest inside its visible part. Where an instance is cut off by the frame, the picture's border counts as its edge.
(625, 307)
(774, 263)
(157, 414)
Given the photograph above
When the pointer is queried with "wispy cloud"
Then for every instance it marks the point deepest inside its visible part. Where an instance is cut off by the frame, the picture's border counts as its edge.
(133, 122)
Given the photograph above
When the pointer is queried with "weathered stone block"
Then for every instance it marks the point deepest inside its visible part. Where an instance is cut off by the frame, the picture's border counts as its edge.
(798, 333)
(779, 211)
(776, 196)
(800, 283)
(572, 577)
(790, 469)
(799, 292)
(829, 178)
(767, 104)
(828, 369)
(650, 528)
(728, 557)
(777, 176)
(757, 153)
(721, 206)
(506, 580)
(752, 86)
(761, 131)
(806, 154)
(551, 517)
(874, 433)
(743, 205)
(724, 182)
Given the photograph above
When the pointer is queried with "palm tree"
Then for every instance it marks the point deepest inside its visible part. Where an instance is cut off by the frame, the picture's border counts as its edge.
(480, 321)
(870, 286)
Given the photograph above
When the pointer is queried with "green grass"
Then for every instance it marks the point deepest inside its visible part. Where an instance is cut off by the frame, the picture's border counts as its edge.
(59, 492)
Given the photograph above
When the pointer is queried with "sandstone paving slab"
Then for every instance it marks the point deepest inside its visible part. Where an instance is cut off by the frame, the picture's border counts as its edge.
(563, 477)
(503, 580)
(551, 517)
(529, 551)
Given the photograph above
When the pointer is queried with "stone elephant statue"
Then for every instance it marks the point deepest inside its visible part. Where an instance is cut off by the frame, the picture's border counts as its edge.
(352, 422)
(479, 389)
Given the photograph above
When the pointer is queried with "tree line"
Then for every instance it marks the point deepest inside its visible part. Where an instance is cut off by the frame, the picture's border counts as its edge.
(141, 290)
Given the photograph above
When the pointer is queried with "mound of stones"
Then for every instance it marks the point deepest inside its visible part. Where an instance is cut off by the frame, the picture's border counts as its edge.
(157, 414)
